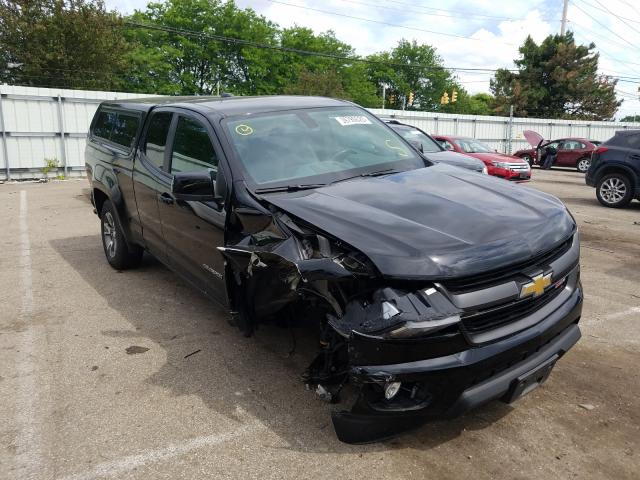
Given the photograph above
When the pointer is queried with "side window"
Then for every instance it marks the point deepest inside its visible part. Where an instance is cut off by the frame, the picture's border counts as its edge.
(156, 141)
(104, 124)
(192, 148)
(124, 130)
(116, 127)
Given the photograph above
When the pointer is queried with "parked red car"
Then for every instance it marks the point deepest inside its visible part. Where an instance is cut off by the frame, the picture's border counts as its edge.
(572, 152)
(498, 164)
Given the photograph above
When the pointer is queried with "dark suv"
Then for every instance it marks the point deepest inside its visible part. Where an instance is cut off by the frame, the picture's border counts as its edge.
(430, 289)
(615, 169)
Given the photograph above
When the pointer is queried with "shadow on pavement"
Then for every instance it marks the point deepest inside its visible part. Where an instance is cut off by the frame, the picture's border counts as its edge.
(209, 358)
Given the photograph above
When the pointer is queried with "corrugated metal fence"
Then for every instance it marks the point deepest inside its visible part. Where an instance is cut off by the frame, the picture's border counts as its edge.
(44, 123)
(41, 123)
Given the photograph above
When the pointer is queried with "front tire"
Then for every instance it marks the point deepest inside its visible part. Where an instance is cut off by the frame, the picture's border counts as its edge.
(614, 190)
(583, 165)
(120, 255)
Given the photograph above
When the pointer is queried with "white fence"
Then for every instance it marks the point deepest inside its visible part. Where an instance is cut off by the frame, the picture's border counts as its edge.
(43, 123)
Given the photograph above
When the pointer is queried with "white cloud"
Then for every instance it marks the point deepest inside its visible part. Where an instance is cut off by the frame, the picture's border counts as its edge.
(495, 40)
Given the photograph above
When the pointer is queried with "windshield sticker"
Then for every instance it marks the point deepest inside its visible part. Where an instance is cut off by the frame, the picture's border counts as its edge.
(401, 151)
(353, 120)
(243, 129)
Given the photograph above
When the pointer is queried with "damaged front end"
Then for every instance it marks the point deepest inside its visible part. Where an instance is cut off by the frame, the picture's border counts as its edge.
(364, 320)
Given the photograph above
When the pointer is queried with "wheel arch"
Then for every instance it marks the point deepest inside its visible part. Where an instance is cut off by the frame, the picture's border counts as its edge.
(617, 168)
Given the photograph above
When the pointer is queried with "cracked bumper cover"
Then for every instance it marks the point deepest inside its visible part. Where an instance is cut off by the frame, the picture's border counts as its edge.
(458, 382)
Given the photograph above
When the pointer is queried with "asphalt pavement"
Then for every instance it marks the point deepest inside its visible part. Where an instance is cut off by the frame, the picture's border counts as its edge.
(107, 374)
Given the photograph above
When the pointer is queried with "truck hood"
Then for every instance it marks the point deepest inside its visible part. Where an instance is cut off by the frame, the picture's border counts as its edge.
(436, 222)
(456, 159)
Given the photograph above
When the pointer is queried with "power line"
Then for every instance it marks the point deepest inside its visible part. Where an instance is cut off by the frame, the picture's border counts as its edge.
(606, 10)
(452, 14)
(457, 13)
(617, 16)
(251, 43)
(380, 22)
(603, 25)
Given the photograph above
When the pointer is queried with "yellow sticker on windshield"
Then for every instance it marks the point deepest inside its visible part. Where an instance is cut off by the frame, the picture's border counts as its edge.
(401, 151)
(243, 129)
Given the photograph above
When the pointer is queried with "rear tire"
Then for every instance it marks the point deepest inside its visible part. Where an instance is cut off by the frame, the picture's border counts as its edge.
(614, 190)
(583, 164)
(120, 255)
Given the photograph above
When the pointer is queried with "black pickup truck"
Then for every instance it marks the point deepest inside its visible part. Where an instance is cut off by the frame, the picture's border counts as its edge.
(433, 289)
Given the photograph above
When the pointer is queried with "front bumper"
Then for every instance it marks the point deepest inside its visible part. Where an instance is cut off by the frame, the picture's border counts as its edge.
(451, 385)
(508, 174)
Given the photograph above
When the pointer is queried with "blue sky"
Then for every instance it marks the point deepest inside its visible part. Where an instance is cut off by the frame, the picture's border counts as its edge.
(495, 29)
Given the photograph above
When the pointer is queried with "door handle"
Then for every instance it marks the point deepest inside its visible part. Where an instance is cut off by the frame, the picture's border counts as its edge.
(166, 198)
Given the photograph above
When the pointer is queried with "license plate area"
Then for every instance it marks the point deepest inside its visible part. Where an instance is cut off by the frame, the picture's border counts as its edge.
(530, 380)
(524, 175)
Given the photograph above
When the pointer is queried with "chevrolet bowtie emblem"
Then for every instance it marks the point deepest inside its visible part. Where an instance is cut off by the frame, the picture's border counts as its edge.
(536, 286)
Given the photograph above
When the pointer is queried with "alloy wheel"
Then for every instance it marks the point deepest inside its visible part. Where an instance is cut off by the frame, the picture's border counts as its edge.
(109, 234)
(583, 165)
(613, 190)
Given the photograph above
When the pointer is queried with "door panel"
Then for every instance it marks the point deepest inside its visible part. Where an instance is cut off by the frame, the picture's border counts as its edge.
(150, 180)
(192, 229)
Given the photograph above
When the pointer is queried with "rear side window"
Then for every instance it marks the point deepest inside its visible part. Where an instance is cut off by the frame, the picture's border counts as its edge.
(192, 148)
(116, 127)
(104, 125)
(156, 142)
(625, 140)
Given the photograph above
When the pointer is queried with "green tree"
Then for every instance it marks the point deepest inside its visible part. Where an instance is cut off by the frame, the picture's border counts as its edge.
(173, 61)
(631, 118)
(324, 84)
(556, 79)
(72, 43)
(411, 67)
(478, 104)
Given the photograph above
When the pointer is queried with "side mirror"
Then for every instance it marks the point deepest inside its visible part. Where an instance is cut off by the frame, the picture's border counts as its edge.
(194, 186)
(417, 145)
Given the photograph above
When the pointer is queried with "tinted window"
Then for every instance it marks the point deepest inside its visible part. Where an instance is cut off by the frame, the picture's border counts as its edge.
(192, 148)
(104, 124)
(573, 145)
(124, 129)
(625, 140)
(116, 127)
(156, 142)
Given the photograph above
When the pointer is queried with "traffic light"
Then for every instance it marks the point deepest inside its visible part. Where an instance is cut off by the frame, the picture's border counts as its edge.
(454, 96)
(445, 99)
(410, 98)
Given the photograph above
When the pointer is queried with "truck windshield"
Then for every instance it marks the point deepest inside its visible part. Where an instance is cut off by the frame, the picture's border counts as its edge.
(317, 146)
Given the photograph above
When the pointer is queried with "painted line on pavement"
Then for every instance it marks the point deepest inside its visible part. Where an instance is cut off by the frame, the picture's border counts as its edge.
(28, 456)
(121, 466)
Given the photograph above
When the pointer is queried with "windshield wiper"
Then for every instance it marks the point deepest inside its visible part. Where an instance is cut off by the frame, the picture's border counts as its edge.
(289, 188)
(377, 173)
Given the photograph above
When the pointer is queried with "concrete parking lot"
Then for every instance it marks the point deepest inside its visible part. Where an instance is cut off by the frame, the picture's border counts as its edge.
(135, 375)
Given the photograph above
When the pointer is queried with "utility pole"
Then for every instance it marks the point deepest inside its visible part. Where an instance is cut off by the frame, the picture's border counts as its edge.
(510, 130)
(384, 94)
(563, 25)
